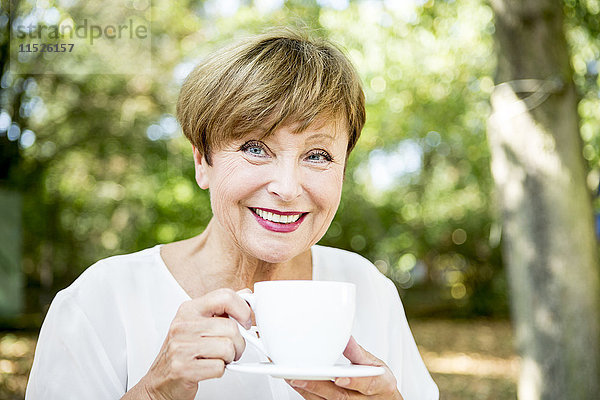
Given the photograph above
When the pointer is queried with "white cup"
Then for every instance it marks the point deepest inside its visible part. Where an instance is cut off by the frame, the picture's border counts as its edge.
(302, 323)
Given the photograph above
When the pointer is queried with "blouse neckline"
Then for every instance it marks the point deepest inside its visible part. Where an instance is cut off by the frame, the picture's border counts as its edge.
(181, 290)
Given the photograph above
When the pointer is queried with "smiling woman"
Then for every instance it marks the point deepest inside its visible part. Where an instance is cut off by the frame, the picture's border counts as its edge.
(271, 121)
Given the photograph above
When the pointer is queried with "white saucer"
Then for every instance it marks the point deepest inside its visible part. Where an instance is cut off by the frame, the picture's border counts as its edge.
(307, 373)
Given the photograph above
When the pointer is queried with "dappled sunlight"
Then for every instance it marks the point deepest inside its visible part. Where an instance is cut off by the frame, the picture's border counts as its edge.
(469, 359)
(471, 364)
(16, 356)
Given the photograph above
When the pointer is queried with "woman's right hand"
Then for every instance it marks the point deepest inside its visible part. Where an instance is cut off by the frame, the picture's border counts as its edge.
(201, 340)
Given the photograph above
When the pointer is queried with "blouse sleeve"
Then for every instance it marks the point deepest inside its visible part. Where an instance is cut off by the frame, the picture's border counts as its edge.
(414, 381)
(71, 361)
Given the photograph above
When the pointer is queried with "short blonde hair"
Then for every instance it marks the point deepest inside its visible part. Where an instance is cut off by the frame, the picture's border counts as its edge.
(280, 78)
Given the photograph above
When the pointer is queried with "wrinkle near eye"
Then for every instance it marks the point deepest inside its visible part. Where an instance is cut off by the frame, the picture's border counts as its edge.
(247, 148)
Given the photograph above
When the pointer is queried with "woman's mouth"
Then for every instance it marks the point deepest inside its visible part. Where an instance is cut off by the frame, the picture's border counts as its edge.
(278, 221)
(279, 218)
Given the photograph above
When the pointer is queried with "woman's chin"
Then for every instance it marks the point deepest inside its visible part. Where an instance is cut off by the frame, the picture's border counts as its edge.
(275, 257)
(275, 253)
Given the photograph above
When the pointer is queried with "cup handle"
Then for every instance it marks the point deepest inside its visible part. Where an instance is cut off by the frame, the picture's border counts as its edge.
(247, 335)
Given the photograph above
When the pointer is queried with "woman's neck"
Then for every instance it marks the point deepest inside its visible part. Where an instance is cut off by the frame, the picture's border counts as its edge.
(211, 261)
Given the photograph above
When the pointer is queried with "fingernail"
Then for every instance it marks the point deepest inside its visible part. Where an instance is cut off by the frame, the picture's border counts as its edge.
(299, 384)
(342, 381)
(248, 324)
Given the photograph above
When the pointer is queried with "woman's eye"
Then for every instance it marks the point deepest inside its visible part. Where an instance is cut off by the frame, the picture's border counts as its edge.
(254, 148)
(319, 156)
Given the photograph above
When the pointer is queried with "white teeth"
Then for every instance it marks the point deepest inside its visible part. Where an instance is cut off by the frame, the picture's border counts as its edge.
(281, 219)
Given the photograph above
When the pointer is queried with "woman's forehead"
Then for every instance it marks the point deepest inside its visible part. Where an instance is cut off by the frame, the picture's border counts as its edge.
(330, 129)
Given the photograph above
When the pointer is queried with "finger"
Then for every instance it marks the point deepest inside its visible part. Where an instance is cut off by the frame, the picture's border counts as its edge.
(191, 371)
(228, 328)
(322, 389)
(191, 331)
(203, 348)
(207, 369)
(179, 362)
(307, 395)
(216, 348)
(357, 355)
(203, 326)
(220, 302)
(371, 385)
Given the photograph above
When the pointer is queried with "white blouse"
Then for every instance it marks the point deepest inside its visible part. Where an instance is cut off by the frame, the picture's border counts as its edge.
(102, 333)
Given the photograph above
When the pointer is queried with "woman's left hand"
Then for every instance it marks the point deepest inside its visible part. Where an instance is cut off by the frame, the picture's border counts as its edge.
(372, 387)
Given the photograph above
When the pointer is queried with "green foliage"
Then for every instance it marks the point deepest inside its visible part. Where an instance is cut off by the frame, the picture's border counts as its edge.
(428, 78)
(583, 34)
(418, 193)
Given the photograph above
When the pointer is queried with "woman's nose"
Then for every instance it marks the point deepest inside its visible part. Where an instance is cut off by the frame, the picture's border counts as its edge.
(285, 181)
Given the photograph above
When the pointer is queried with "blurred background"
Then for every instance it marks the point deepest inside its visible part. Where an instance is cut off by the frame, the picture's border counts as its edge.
(93, 162)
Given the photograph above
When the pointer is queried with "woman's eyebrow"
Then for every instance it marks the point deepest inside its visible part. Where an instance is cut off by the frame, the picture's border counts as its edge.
(320, 135)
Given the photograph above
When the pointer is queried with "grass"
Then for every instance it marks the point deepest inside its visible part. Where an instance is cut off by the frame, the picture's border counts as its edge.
(467, 359)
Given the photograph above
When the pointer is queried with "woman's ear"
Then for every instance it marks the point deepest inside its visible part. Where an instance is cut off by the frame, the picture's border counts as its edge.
(201, 167)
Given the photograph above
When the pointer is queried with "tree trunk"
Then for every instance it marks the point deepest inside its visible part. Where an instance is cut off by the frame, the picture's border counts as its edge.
(548, 225)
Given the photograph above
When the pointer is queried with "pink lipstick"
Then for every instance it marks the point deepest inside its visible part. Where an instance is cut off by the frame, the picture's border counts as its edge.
(278, 221)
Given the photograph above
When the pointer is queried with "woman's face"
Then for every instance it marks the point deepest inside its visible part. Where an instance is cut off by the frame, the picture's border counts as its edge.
(275, 197)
